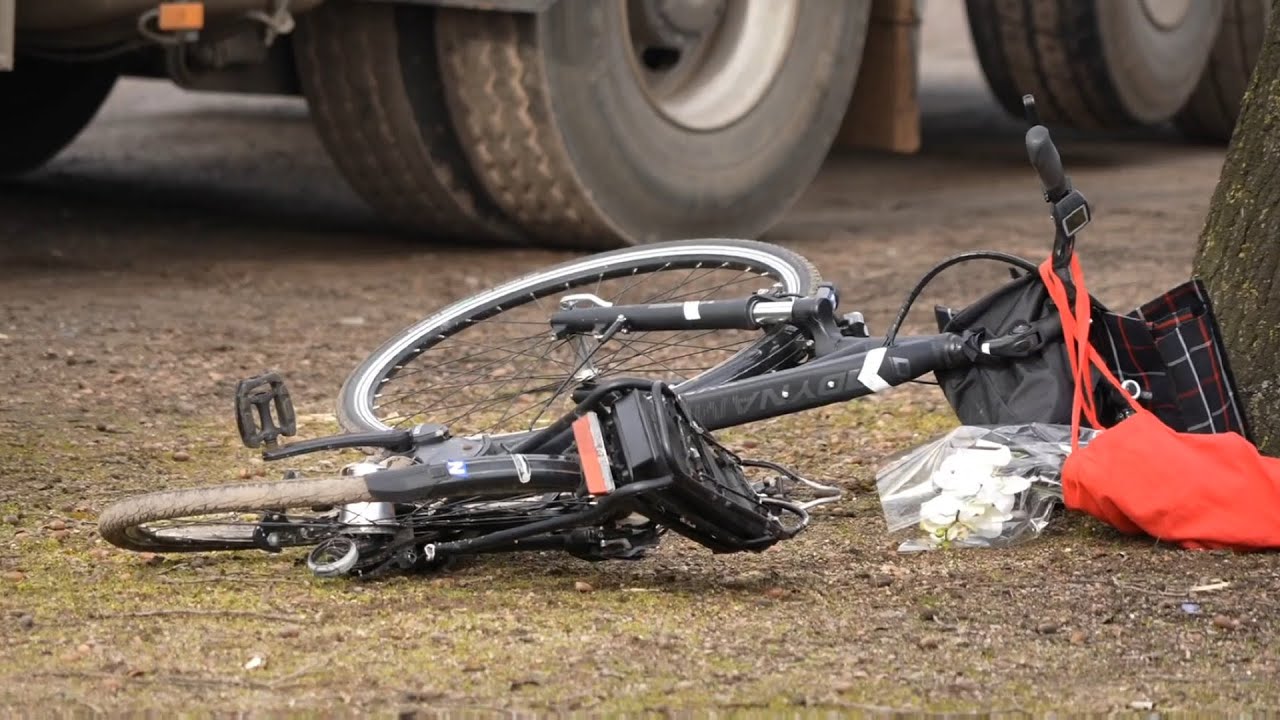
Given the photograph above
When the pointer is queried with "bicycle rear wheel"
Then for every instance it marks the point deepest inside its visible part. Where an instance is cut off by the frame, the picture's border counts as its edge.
(126, 524)
(488, 364)
(273, 515)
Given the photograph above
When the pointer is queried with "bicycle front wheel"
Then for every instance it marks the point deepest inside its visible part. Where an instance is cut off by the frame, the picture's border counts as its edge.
(489, 364)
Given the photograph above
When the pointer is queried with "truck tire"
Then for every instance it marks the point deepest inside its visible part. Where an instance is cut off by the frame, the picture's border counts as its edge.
(44, 105)
(1094, 64)
(369, 73)
(602, 124)
(1210, 115)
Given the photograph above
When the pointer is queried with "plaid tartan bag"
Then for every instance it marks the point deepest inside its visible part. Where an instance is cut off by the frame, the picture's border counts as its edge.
(1170, 348)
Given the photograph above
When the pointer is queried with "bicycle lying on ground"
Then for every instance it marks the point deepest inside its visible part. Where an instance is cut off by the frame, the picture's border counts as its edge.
(564, 410)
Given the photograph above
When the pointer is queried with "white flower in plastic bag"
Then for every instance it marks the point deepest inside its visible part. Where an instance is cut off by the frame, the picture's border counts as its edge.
(972, 498)
(963, 472)
(977, 485)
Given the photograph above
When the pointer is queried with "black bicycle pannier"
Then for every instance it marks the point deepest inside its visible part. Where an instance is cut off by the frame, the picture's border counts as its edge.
(1170, 347)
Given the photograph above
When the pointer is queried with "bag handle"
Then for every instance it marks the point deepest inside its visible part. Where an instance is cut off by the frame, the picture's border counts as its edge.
(1081, 354)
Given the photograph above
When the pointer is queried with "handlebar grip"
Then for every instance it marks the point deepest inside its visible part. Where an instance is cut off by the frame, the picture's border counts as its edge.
(1047, 162)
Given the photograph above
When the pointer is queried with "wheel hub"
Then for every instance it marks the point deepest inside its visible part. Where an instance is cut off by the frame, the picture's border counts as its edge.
(706, 63)
(1166, 14)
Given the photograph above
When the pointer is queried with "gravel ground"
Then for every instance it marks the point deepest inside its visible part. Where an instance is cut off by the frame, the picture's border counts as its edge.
(123, 329)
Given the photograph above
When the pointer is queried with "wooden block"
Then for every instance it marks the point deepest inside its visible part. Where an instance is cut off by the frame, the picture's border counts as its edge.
(884, 113)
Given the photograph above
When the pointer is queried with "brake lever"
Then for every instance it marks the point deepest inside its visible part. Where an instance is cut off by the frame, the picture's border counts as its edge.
(393, 440)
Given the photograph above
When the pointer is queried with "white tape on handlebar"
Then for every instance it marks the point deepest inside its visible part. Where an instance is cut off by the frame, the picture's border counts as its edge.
(869, 375)
(692, 311)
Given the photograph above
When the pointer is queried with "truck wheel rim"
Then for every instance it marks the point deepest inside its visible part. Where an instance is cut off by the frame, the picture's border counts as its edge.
(706, 63)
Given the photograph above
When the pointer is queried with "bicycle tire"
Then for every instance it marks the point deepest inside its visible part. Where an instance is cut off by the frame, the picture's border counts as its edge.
(118, 522)
(355, 407)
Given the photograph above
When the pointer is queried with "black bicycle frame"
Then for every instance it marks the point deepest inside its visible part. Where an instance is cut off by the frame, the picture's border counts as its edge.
(858, 367)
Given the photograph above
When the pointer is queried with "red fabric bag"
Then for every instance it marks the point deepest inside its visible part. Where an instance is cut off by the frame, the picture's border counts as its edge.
(1199, 491)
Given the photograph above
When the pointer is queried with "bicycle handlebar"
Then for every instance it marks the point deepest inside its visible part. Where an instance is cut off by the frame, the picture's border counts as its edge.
(1047, 162)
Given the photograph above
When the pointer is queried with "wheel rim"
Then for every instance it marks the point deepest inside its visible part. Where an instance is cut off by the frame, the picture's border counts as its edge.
(393, 396)
(1166, 14)
(706, 63)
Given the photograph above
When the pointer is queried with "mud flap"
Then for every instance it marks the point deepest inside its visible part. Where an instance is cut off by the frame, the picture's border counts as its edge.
(884, 113)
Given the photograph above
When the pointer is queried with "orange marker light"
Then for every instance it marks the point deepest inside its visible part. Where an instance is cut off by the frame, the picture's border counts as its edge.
(180, 16)
(592, 454)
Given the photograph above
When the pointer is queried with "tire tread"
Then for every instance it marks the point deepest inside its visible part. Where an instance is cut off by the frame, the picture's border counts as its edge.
(1210, 115)
(1053, 50)
(501, 107)
(405, 165)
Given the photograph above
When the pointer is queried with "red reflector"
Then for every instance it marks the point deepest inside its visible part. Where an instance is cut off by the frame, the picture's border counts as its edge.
(592, 454)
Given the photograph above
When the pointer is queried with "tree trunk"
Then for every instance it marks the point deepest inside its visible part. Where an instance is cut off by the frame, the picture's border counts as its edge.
(1239, 252)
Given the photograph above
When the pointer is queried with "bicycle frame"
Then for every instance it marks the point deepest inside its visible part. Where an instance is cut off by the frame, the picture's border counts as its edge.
(858, 367)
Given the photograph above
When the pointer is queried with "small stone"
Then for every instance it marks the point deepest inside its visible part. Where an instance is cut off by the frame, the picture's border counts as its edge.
(60, 534)
(881, 581)
(775, 593)
(1141, 705)
(255, 662)
(244, 474)
(181, 455)
(83, 649)
(148, 558)
(1225, 622)
(582, 587)
(928, 614)
(57, 525)
(1047, 628)
(1078, 637)
(11, 519)
(928, 643)
(14, 576)
(750, 444)
(290, 631)
(26, 622)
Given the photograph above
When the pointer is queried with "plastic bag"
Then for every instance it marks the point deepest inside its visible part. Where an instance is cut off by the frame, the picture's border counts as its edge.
(977, 486)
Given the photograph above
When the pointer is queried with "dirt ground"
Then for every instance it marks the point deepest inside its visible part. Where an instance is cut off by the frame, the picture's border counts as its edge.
(123, 329)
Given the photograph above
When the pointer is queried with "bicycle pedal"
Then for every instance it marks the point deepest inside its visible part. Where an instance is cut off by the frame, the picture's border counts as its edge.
(256, 399)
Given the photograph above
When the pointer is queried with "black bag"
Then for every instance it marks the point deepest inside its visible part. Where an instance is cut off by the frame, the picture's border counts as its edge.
(996, 391)
(1170, 347)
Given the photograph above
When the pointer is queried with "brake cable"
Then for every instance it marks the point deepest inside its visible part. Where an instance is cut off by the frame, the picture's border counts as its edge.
(928, 277)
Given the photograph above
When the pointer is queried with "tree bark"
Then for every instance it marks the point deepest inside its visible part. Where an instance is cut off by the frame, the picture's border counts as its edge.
(1239, 251)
